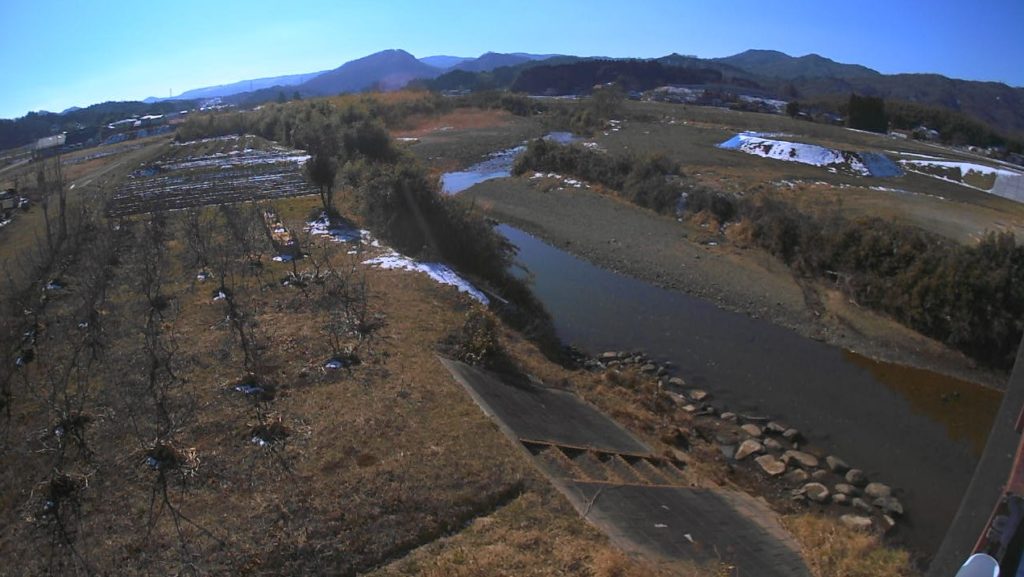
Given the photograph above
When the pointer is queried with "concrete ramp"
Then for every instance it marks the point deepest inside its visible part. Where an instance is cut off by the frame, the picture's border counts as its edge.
(644, 502)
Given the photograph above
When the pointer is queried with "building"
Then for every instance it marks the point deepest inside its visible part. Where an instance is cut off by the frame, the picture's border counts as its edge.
(49, 146)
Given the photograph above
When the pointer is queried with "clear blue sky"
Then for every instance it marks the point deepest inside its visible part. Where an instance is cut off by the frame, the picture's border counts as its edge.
(56, 54)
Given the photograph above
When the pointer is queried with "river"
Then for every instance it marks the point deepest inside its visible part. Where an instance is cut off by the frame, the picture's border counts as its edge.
(918, 431)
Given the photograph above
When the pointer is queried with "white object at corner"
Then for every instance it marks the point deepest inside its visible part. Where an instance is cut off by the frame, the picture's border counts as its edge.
(979, 565)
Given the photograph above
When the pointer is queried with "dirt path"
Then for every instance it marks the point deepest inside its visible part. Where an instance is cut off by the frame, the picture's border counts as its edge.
(621, 237)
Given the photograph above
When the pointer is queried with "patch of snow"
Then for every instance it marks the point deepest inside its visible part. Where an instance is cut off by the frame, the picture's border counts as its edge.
(965, 167)
(205, 140)
(337, 231)
(913, 154)
(439, 272)
(812, 154)
(334, 364)
(283, 258)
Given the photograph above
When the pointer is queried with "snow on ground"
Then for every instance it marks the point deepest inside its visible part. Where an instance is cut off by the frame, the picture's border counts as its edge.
(1008, 184)
(755, 143)
(390, 259)
(913, 155)
(441, 273)
(964, 167)
(339, 232)
(235, 158)
(211, 139)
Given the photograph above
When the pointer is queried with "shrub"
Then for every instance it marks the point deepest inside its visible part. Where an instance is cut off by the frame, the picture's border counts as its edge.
(969, 297)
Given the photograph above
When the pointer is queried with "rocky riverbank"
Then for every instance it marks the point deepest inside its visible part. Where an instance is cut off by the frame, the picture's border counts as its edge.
(772, 454)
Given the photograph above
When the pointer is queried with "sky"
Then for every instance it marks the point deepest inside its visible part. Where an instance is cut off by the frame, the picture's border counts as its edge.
(55, 54)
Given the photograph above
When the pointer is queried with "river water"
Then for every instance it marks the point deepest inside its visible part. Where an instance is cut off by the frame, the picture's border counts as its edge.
(496, 165)
(916, 430)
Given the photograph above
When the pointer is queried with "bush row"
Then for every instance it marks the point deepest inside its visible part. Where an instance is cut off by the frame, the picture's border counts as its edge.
(969, 297)
(644, 180)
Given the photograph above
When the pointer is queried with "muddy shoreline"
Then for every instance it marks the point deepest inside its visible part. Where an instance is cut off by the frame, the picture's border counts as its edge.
(682, 256)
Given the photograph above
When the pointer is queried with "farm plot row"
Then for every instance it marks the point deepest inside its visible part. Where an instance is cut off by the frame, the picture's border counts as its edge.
(219, 178)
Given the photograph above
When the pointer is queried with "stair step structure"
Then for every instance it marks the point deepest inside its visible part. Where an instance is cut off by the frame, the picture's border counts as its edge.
(645, 502)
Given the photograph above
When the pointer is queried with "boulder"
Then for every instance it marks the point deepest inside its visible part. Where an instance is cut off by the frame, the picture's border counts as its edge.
(648, 369)
(775, 428)
(677, 382)
(610, 356)
(805, 460)
(840, 499)
(796, 477)
(861, 504)
(877, 490)
(690, 408)
(847, 489)
(730, 417)
(677, 398)
(819, 475)
(888, 523)
(890, 505)
(836, 465)
(661, 372)
(699, 395)
(752, 430)
(773, 445)
(858, 522)
(791, 434)
(747, 448)
(856, 477)
(815, 492)
(770, 465)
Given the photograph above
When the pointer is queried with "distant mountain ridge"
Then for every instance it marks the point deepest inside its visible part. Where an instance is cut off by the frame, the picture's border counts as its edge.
(773, 63)
(766, 72)
(388, 70)
(238, 87)
(444, 62)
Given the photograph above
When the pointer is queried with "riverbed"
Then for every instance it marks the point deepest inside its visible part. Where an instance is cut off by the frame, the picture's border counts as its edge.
(919, 431)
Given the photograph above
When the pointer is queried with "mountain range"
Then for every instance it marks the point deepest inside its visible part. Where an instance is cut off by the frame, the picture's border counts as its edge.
(766, 73)
(388, 70)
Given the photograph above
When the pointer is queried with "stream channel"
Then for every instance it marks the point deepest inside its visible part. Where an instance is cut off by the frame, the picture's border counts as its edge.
(918, 431)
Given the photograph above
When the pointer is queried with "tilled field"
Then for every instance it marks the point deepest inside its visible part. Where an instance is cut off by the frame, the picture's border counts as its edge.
(211, 172)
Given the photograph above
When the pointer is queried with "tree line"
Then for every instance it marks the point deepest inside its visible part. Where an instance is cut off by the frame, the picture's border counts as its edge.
(969, 297)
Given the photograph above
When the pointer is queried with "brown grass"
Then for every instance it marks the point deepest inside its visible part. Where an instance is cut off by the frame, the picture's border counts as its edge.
(460, 119)
(833, 550)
